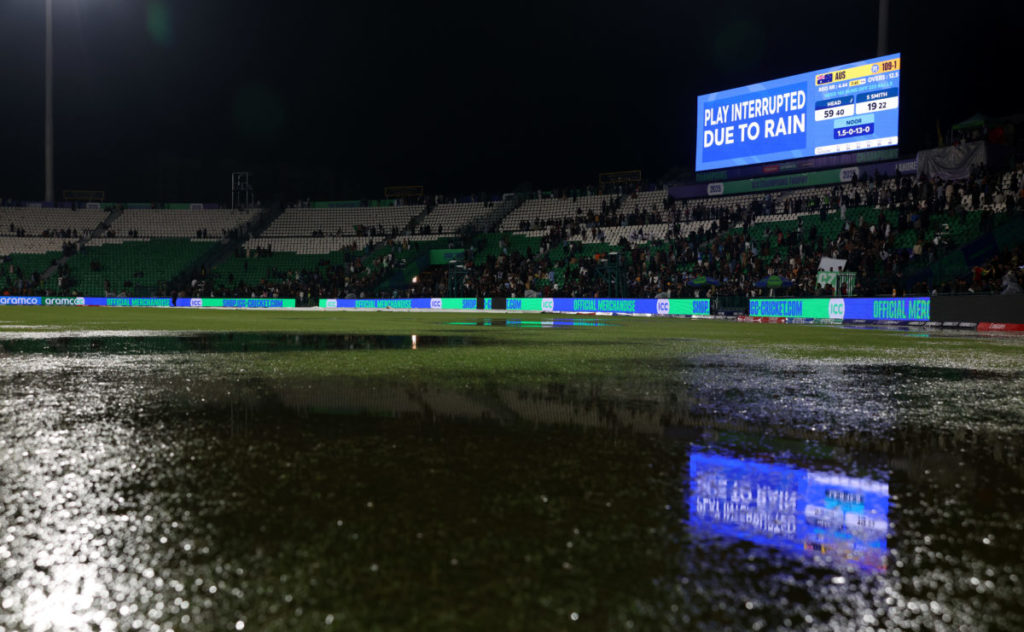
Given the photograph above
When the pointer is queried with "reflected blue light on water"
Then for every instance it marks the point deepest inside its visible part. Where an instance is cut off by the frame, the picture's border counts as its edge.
(838, 517)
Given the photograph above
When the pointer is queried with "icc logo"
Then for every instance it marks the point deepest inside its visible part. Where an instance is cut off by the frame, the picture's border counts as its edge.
(435, 303)
(195, 302)
(547, 305)
(836, 308)
(662, 306)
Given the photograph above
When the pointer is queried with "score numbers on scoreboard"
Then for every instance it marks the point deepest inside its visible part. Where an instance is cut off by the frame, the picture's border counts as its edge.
(861, 89)
(850, 98)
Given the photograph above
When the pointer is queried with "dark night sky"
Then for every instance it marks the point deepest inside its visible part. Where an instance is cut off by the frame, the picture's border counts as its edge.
(162, 99)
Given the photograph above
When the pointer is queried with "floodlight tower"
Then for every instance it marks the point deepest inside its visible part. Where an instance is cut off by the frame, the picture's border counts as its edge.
(883, 27)
(48, 142)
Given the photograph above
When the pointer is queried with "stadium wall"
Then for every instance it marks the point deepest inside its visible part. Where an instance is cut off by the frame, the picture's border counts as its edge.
(792, 181)
(979, 309)
(813, 163)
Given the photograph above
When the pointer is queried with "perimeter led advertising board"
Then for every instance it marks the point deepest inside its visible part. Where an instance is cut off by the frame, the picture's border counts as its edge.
(122, 301)
(662, 306)
(248, 303)
(398, 303)
(898, 309)
(21, 300)
(844, 108)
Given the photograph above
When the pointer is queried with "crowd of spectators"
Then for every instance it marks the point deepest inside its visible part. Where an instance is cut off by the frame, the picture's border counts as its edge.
(1003, 274)
(352, 272)
(61, 233)
(736, 261)
(730, 255)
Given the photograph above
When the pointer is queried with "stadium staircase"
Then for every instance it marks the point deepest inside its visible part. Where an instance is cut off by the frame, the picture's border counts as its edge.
(225, 250)
(490, 222)
(415, 222)
(419, 260)
(117, 257)
(114, 213)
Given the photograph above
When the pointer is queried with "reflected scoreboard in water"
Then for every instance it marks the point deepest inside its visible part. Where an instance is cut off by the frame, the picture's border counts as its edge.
(788, 508)
(851, 107)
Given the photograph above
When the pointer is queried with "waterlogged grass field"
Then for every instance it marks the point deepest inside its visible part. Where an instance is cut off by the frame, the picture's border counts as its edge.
(534, 349)
(290, 470)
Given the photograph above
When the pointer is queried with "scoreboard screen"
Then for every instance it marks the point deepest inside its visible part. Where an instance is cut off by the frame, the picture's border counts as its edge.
(845, 108)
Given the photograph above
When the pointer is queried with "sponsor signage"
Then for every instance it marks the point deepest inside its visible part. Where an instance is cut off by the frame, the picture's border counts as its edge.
(93, 301)
(672, 306)
(64, 300)
(242, 303)
(891, 309)
(400, 303)
(89, 301)
(126, 302)
(675, 306)
(458, 303)
(21, 300)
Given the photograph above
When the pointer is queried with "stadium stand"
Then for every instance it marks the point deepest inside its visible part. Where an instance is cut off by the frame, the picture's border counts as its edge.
(376, 221)
(138, 253)
(21, 272)
(33, 239)
(536, 213)
(353, 270)
(897, 234)
(186, 223)
(129, 267)
(48, 222)
(31, 245)
(450, 217)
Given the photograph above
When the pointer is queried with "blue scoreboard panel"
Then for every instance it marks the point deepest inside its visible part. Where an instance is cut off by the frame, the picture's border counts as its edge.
(844, 108)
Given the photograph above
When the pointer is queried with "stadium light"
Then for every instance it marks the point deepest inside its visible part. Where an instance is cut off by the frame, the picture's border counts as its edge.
(48, 196)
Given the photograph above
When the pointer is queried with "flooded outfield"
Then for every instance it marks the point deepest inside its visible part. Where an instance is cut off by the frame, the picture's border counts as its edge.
(160, 482)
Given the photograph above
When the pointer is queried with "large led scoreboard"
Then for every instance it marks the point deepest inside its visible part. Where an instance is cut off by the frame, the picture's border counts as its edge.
(845, 108)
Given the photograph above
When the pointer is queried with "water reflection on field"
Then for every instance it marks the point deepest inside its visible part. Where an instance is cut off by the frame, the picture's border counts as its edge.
(142, 489)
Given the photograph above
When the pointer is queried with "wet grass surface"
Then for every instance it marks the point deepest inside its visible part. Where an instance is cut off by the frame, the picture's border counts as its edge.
(218, 342)
(657, 475)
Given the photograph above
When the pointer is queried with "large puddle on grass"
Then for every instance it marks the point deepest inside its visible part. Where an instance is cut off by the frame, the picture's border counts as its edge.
(163, 488)
(160, 343)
